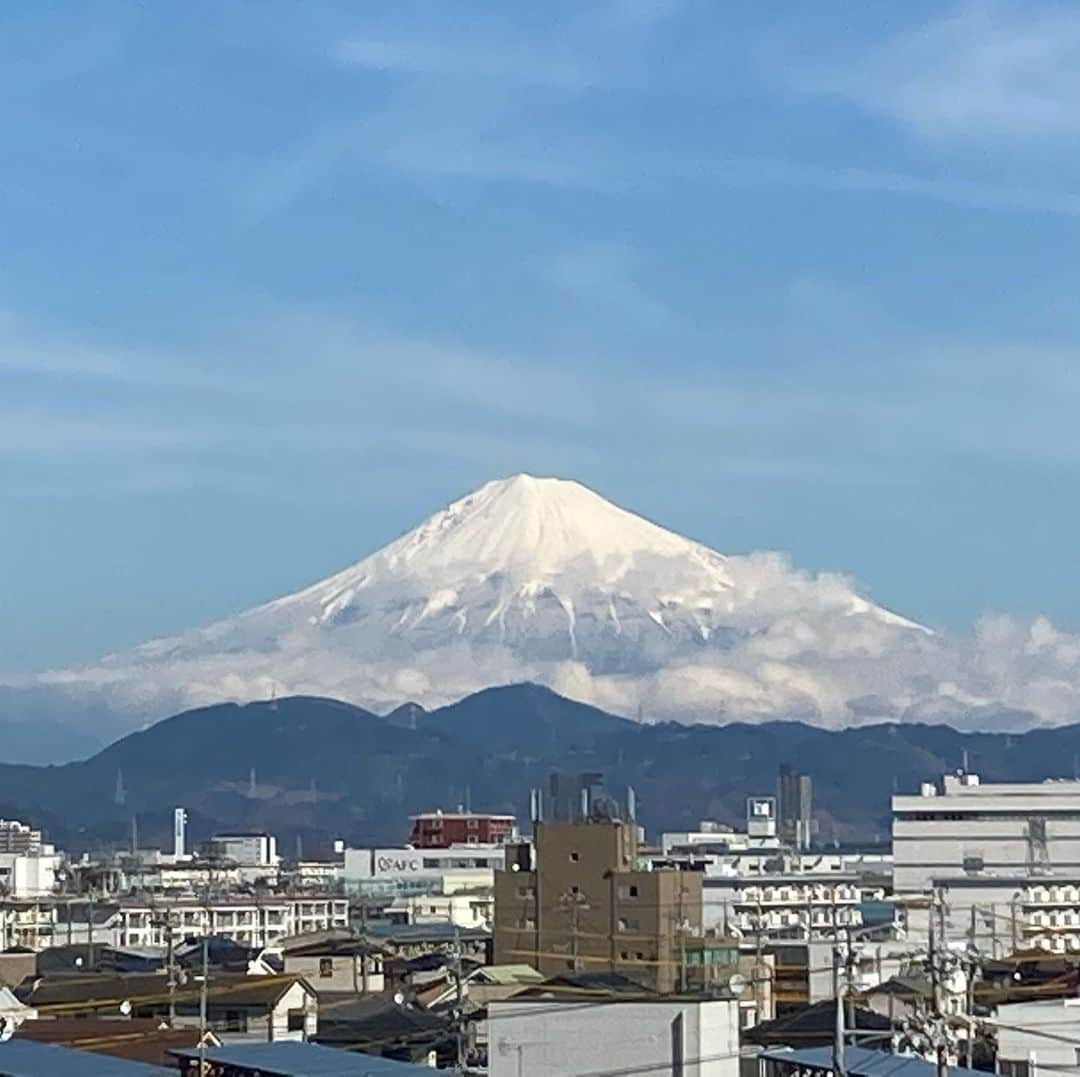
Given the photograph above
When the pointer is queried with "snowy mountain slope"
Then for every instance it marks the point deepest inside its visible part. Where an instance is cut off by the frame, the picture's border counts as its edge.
(543, 580)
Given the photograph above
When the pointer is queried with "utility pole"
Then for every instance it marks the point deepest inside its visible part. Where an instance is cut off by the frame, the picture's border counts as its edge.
(90, 933)
(459, 1014)
(838, 1029)
(849, 966)
(935, 982)
(574, 901)
(172, 970)
(202, 1005)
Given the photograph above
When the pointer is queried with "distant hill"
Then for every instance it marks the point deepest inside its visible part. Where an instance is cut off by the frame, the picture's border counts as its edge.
(318, 768)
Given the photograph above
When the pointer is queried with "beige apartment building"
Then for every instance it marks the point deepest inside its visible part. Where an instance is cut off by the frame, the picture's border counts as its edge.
(587, 906)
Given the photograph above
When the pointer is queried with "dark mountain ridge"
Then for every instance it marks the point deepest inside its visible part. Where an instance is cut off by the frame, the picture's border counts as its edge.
(320, 768)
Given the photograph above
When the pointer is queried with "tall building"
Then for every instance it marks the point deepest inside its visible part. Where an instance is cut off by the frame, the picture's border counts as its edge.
(589, 906)
(795, 807)
(1000, 863)
(573, 796)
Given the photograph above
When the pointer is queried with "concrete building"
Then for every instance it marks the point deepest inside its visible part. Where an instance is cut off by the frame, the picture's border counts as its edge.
(440, 830)
(32, 874)
(246, 850)
(407, 870)
(254, 922)
(786, 905)
(532, 1037)
(795, 807)
(16, 837)
(1038, 1039)
(571, 796)
(998, 864)
(964, 827)
(591, 904)
(470, 909)
(335, 961)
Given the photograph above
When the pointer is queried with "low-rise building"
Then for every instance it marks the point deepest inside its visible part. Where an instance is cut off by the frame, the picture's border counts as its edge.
(466, 908)
(556, 1035)
(335, 961)
(31, 874)
(785, 905)
(16, 837)
(1036, 1039)
(390, 872)
(256, 922)
(440, 830)
(263, 1007)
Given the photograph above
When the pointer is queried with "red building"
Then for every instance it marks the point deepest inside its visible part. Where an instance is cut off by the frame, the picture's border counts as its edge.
(439, 830)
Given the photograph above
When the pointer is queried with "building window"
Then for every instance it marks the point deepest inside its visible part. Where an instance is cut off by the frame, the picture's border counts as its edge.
(296, 1020)
(627, 893)
(326, 966)
(574, 858)
(626, 924)
(1009, 1068)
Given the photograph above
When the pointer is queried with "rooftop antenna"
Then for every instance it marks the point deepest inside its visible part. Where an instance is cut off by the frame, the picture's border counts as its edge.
(299, 847)
(273, 697)
(134, 835)
(120, 796)
(251, 783)
(468, 799)
(965, 761)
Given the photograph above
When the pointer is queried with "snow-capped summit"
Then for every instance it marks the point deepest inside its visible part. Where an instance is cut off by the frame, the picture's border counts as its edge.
(538, 579)
(518, 540)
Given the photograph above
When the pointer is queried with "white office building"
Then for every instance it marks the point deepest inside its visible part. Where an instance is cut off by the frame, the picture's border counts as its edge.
(1038, 1039)
(999, 864)
(246, 850)
(16, 837)
(407, 870)
(29, 875)
(531, 1036)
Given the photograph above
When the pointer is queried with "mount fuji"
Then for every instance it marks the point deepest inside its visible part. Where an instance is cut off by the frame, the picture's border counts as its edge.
(542, 580)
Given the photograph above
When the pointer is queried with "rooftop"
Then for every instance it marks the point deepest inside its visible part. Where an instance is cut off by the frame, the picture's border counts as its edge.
(285, 1059)
(863, 1062)
(25, 1058)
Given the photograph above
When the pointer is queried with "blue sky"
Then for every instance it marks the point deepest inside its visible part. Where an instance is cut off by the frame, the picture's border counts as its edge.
(281, 279)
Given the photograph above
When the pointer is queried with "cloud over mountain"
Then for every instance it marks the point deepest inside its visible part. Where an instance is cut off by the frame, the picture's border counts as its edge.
(543, 580)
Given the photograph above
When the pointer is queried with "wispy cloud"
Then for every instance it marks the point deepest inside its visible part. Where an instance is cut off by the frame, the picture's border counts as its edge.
(505, 61)
(989, 68)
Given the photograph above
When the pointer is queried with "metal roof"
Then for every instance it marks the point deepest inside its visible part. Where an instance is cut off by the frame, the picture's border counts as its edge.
(25, 1058)
(294, 1059)
(863, 1062)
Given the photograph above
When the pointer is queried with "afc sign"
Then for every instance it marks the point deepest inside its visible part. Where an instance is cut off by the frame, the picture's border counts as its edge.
(396, 864)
